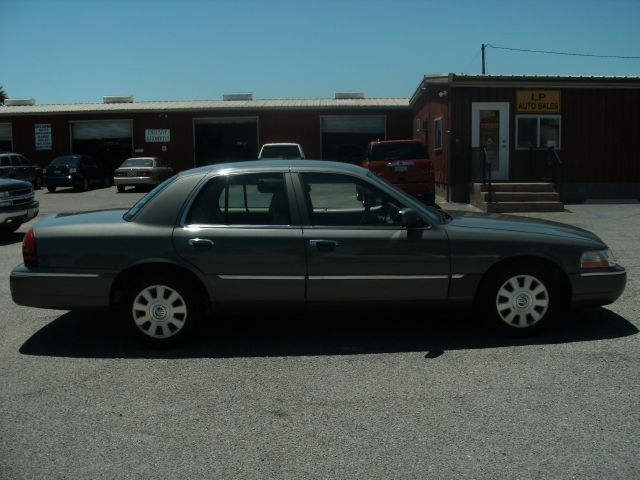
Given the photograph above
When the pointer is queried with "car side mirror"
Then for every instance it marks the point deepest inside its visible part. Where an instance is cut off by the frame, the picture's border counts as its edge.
(409, 218)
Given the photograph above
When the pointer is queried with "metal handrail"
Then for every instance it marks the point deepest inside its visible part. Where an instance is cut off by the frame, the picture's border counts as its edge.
(486, 173)
(558, 161)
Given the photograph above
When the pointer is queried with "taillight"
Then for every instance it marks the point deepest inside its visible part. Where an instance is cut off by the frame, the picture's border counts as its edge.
(29, 254)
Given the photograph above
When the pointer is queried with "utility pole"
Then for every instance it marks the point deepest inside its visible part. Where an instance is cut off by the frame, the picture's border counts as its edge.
(484, 61)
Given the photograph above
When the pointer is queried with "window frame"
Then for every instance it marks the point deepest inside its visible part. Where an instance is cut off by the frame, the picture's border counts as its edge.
(294, 217)
(303, 200)
(538, 117)
(438, 134)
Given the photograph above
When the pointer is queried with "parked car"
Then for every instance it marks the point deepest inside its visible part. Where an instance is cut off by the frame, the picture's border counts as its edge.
(141, 171)
(77, 171)
(281, 151)
(14, 165)
(17, 204)
(310, 232)
(404, 163)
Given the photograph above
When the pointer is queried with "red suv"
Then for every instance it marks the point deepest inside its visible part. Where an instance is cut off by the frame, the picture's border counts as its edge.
(404, 163)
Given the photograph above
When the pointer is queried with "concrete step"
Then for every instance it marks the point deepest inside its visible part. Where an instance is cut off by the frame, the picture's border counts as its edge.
(508, 207)
(519, 187)
(523, 197)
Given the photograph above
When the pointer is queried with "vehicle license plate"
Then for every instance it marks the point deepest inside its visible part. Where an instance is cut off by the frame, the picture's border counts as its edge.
(56, 171)
(131, 174)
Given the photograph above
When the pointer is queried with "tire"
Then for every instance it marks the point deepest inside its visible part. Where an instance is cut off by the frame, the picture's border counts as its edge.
(121, 188)
(37, 183)
(518, 300)
(85, 185)
(51, 188)
(106, 181)
(164, 310)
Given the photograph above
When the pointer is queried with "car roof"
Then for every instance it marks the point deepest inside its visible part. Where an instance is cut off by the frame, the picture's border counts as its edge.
(279, 165)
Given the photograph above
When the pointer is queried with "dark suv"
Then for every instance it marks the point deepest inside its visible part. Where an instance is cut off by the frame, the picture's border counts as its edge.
(17, 204)
(14, 165)
(404, 163)
(78, 171)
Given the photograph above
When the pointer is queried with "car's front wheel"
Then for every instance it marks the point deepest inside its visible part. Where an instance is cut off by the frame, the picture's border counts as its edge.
(121, 188)
(518, 300)
(51, 188)
(163, 311)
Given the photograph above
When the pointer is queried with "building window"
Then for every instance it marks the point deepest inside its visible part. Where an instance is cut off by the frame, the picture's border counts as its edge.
(437, 133)
(537, 131)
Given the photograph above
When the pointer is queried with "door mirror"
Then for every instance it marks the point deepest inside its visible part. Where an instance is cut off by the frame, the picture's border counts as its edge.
(409, 218)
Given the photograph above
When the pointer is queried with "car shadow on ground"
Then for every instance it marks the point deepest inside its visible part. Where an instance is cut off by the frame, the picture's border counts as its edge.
(11, 238)
(87, 335)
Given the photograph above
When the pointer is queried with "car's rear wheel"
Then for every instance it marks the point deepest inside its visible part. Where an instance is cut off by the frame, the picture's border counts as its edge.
(37, 182)
(106, 181)
(163, 311)
(51, 188)
(4, 229)
(121, 188)
(518, 300)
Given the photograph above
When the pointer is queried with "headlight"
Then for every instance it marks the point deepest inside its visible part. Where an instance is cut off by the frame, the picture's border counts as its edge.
(597, 259)
(4, 194)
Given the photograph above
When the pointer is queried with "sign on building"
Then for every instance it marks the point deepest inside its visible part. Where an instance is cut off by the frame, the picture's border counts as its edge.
(157, 135)
(43, 136)
(538, 101)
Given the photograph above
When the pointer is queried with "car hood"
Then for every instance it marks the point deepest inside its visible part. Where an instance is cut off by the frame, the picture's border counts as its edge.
(514, 223)
(10, 184)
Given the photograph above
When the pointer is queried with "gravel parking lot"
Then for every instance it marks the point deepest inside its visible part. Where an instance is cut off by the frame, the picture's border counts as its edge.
(407, 395)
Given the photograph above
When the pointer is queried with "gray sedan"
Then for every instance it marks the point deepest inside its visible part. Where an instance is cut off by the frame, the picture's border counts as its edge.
(307, 233)
(141, 171)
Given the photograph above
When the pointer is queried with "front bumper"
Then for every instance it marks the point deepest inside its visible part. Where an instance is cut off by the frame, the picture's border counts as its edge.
(19, 214)
(598, 287)
(33, 287)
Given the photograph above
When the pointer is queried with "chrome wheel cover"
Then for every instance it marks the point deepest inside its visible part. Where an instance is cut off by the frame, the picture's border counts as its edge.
(159, 311)
(522, 301)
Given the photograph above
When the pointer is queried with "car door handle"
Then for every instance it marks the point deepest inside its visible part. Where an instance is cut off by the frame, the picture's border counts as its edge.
(202, 243)
(324, 245)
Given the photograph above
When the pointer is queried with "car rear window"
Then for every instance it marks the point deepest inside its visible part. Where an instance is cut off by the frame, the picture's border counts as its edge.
(138, 162)
(398, 151)
(65, 161)
(139, 205)
(280, 151)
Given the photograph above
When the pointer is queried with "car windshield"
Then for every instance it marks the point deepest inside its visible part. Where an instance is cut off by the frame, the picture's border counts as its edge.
(398, 151)
(138, 162)
(280, 151)
(133, 211)
(69, 160)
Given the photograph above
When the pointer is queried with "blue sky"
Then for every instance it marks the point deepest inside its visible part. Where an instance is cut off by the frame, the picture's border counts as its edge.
(79, 50)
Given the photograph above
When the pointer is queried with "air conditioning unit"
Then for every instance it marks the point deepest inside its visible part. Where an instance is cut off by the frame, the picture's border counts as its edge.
(231, 97)
(349, 96)
(118, 99)
(19, 102)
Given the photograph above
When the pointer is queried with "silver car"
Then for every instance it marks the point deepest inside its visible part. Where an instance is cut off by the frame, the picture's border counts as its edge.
(141, 171)
(306, 233)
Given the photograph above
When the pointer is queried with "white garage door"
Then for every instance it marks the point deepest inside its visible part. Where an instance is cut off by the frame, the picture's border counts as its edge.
(354, 124)
(102, 129)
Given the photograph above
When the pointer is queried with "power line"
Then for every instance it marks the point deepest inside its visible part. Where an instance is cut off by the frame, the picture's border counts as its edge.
(563, 53)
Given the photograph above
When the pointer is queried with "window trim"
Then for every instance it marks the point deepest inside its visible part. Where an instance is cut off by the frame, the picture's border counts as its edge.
(538, 117)
(438, 137)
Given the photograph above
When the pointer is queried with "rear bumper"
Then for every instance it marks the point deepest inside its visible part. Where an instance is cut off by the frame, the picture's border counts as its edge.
(598, 288)
(19, 214)
(125, 181)
(60, 291)
(66, 181)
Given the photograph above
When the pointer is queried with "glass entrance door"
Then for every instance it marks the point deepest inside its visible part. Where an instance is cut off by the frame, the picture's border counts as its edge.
(490, 129)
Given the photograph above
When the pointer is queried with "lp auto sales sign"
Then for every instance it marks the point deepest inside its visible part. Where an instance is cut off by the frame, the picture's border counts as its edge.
(538, 101)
